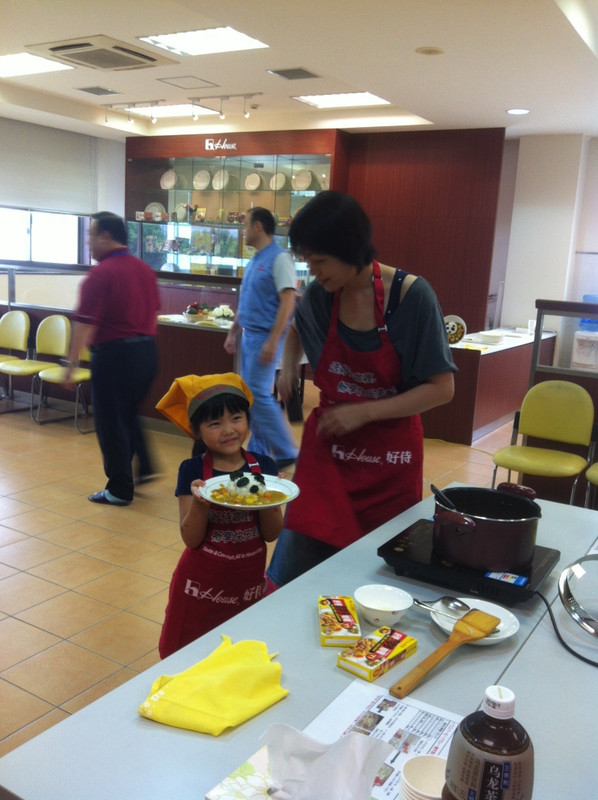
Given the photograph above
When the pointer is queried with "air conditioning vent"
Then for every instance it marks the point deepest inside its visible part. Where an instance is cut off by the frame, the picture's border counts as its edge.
(100, 52)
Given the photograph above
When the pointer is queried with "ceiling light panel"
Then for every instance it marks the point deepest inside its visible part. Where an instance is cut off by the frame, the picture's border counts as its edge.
(163, 112)
(204, 42)
(12, 66)
(343, 100)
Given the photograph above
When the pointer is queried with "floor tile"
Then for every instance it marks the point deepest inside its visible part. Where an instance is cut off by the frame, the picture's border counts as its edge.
(72, 570)
(145, 662)
(159, 565)
(19, 708)
(67, 614)
(99, 690)
(34, 521)
(120, 550)
(33, 729)
(29, 553)
(10, 536)
(20, 641)
(76, 535)
(8, 506)
(60, 673)
(124, 637)
(152, 607)
(121, 588)
(21, 591)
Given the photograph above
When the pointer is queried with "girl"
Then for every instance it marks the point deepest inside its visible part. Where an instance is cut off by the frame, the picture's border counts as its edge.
(221, 571)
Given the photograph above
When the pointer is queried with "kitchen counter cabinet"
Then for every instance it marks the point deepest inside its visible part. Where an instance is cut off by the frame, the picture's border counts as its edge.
(489, 387)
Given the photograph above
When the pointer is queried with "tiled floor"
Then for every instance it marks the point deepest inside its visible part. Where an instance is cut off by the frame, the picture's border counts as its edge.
(83, 587)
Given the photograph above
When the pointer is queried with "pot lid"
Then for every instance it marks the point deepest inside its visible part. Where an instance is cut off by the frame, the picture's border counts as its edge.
(578, 590)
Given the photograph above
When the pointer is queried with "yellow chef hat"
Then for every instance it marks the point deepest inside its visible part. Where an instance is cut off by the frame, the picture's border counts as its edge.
(187, 394)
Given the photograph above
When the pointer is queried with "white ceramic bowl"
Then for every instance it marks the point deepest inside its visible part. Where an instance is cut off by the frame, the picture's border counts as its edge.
(381, 604)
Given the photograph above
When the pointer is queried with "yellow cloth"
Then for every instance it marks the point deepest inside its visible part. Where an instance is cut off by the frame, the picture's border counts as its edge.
(234, 683)
(187, 393)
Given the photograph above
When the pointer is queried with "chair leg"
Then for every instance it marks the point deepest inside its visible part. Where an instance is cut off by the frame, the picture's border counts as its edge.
(573, 488)
(494, 475)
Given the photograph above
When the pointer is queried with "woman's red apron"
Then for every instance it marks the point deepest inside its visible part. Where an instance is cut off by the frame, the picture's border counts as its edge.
(221, 577)
(352, 484)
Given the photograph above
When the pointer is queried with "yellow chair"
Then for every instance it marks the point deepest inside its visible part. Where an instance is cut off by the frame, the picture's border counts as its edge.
(55, 375)
(14, 334)
(592, 480)
(52, 339)
(556, 411)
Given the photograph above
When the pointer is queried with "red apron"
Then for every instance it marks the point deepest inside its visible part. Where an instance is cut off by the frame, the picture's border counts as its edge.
(216, 580)
(352, 484)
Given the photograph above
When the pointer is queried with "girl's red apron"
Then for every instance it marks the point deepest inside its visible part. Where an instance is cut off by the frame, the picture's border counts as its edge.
(216, 580)
(352, 484)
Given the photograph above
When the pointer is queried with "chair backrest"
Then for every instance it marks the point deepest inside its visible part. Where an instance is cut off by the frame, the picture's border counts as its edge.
(14, 330)
(84, 356)
(53, 336)
(560, 411)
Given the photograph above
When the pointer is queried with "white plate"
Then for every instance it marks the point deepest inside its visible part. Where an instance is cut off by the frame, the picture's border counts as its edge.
(455, 328)
(181, 212)
(155, 208)
(509, 624)
(201, 180)
(302, 180)
(220, 179)
(168, 180)
(278, 182)
(290, 489)
(253, 182)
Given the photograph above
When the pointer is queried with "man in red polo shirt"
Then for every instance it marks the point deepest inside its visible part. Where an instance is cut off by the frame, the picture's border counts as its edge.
(117, 319)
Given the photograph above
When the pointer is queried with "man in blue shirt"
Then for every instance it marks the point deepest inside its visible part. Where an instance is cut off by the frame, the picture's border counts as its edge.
(266, 305)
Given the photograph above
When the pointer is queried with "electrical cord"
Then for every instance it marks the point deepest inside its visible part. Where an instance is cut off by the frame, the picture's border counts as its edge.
(558, 634)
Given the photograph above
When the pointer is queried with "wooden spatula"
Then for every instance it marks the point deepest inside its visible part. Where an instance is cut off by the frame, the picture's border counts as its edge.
(473, 625)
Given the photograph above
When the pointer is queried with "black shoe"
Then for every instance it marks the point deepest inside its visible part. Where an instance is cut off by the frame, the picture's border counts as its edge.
(100, 497)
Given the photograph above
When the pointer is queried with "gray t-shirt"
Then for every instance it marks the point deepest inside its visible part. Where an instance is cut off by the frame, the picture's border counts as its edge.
(415, 327)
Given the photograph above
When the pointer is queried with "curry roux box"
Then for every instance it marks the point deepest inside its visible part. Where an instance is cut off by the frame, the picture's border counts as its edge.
(339, 624)
(376, 653)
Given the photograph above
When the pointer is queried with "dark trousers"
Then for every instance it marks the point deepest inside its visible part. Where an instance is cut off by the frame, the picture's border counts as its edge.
(122, 372)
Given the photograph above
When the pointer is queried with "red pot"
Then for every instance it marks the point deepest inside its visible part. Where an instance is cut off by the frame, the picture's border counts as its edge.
(488, 530)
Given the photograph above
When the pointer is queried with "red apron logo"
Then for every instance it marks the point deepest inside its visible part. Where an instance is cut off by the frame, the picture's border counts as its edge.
(219, 144)
(340, 453)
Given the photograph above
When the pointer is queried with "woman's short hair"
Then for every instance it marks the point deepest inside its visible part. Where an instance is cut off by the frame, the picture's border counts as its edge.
(334, 224)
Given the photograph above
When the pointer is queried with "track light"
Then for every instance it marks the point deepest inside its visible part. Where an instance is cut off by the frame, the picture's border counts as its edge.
(129, 120)
(194, 113)
(245, 110)
(222, 115)
(153, 116)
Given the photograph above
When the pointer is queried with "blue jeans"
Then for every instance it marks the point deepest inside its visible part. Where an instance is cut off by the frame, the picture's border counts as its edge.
(270, 433)
(294, 554)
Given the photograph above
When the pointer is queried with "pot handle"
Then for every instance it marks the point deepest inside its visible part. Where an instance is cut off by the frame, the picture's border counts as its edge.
(517, 488)
(460, 522)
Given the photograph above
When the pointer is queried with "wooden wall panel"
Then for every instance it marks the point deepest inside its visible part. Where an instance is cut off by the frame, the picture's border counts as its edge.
(432, 198)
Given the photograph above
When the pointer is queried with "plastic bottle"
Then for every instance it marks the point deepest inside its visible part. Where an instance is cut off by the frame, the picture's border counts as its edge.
(491, 755)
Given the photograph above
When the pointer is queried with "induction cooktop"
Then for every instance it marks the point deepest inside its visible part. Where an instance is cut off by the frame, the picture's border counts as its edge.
(410, 553)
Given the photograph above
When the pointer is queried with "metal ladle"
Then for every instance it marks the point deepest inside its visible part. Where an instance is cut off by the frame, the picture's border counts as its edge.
(456, 604)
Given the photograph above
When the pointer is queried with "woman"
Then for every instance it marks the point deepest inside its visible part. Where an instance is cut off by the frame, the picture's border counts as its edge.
(375, 339)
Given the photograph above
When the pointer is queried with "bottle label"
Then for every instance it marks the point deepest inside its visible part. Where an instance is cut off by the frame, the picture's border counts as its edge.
(473, 774)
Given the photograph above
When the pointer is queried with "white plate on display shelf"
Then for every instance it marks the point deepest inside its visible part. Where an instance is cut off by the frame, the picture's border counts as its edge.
(455, 328)
(303, 180)
(285, 492)
(168, 180)
(220, 180)
(201, 180)
(155, 208)
(180, 212)
(253, 182)
(508, 626)
(278, 182)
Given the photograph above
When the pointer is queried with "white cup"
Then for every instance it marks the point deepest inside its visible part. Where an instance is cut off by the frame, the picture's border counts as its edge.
(422, 778)
(531, 326)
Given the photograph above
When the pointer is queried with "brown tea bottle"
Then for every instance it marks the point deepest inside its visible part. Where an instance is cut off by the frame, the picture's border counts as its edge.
(491, 755)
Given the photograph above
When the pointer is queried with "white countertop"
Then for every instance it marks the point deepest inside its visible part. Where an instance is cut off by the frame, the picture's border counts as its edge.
(512, 337)
(107, 752)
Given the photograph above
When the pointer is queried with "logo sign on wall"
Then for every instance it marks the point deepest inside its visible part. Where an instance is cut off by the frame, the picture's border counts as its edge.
(219, 144)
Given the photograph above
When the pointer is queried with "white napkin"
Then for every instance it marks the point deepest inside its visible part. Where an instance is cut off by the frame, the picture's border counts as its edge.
(304, 769)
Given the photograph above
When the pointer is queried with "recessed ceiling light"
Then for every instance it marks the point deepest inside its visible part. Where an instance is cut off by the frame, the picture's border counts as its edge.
(518, 112)
(204, 42)
(181, 110)
(13, 66)
(344, 100)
